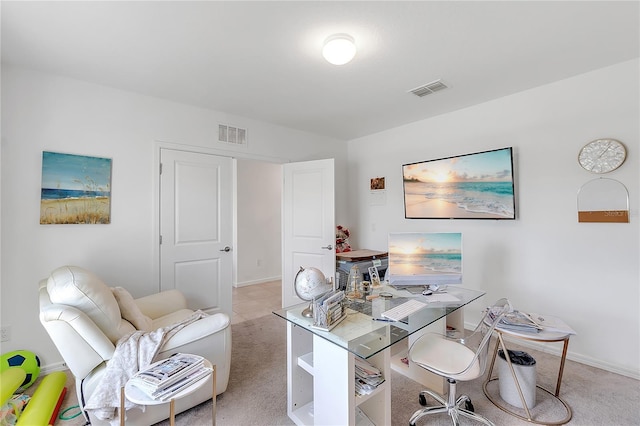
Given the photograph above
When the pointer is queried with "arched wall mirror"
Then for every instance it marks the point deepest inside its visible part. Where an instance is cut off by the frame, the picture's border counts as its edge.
(603, 200)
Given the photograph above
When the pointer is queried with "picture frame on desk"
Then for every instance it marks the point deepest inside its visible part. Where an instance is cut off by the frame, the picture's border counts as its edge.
(374, 276)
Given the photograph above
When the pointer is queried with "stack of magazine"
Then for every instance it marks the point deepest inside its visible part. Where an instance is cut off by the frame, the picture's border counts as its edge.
(164, 379)
(517, 321)
(368, 377)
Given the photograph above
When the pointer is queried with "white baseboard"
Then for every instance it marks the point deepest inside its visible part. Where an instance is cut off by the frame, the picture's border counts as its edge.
(258, 281)
(50, 368)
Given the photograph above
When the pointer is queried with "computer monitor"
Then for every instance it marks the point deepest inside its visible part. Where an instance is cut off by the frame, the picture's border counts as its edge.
(425, 259)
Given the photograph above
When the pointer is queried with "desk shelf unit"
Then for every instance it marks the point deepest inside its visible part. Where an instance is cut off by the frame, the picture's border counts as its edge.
(330, 397)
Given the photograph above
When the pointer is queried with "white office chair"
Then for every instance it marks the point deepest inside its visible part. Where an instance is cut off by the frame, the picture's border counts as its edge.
(456, 359)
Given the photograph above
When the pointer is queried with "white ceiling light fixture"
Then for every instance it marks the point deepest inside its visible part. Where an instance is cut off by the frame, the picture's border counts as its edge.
(339, 49)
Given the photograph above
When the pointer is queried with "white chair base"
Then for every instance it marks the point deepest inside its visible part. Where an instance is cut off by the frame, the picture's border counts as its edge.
(453, 407)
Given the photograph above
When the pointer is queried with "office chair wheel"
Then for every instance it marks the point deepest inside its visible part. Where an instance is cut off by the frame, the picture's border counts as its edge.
(422, 400)
(469, 406)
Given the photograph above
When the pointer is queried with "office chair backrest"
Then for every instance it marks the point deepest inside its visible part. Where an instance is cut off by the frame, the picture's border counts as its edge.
(484, 331)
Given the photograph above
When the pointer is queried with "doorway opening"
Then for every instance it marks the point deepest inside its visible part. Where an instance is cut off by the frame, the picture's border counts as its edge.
(257, 287)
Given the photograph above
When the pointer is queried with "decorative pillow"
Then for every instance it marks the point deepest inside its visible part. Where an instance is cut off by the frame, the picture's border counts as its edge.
(130, 311)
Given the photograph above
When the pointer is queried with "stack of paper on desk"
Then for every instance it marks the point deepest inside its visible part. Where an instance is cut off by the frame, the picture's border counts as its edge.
(517, 321)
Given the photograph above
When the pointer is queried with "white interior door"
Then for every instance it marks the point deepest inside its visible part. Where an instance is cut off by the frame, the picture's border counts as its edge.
(196, 228)
(308, 222)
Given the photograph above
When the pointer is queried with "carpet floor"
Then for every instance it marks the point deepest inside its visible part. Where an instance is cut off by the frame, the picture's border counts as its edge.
(257, 391)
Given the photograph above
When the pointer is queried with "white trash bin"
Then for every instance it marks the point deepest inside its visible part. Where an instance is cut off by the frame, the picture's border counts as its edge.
(525, 367)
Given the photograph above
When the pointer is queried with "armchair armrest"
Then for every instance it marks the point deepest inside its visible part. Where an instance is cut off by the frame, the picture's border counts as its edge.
(161, 304)
(198, 330)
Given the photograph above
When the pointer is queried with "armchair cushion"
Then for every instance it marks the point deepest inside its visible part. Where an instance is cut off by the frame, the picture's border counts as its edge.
(130, 310)
(84, 291)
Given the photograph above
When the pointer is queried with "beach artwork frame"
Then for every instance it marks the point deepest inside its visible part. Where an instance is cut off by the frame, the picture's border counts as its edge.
(471, 186)
(76, 189)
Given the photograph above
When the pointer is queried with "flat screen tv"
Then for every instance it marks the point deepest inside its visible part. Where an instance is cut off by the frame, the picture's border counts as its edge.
(470, 186)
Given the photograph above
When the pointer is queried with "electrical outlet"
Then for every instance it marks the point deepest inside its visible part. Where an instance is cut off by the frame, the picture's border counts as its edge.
(5, 333)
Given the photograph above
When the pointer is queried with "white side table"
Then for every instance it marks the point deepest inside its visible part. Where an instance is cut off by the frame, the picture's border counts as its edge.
(542, 336)
(136, 396)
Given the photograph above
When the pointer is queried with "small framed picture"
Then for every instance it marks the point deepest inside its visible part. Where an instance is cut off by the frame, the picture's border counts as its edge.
(377, 184)
(374, 277)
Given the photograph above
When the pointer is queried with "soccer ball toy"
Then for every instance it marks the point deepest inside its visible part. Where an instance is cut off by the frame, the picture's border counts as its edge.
(26, 360)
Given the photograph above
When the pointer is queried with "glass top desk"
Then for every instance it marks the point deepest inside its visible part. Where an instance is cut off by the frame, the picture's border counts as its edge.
(320, 364)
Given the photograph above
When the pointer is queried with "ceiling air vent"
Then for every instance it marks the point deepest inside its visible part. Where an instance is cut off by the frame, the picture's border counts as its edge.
(231, 134)
(429, 88)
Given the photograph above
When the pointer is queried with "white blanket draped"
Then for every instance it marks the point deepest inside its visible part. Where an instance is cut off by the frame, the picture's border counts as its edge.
(133, 352)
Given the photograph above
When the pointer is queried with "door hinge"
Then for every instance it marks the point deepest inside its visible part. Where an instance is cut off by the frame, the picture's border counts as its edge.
(160, 168)
(160, 239)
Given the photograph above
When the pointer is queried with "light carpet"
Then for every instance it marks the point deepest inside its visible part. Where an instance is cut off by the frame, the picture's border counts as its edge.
(257, 391)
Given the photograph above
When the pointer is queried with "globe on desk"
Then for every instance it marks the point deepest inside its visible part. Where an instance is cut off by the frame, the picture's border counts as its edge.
(309, 284)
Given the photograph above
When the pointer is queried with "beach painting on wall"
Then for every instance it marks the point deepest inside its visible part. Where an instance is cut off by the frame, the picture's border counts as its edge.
(76, 189)
(471, 186)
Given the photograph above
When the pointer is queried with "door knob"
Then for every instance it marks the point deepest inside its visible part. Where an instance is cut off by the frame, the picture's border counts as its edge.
(227, 248)
(329, 247)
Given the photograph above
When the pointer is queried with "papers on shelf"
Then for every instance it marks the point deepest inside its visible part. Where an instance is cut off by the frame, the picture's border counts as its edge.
(167, 377)
(368, 377)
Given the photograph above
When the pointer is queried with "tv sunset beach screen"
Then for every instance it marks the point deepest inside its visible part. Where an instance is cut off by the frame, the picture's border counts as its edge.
(471, 186)
(425, 257)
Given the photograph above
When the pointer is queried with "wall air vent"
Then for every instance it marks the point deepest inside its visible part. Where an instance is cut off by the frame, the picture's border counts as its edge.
(429, 88)
(232, 135)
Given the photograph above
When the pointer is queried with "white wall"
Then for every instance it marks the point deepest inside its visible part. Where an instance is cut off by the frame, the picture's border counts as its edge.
(545, 261)
(259, 205)
(45, 112)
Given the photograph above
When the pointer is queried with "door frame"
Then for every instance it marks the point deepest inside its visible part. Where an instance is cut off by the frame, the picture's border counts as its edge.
(155, 196)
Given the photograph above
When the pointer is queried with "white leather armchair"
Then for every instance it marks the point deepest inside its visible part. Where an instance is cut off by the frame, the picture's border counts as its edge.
(83, 318)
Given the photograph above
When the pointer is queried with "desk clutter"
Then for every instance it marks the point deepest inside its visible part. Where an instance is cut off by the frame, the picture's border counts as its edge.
(517, 321)
(328, 310)
(523, 322)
